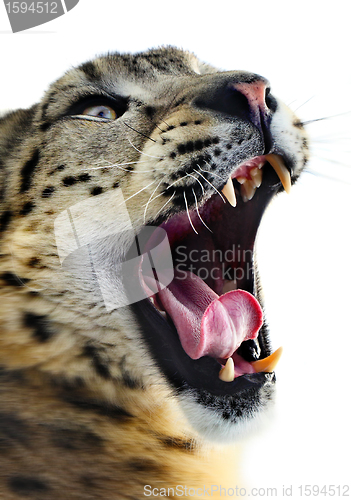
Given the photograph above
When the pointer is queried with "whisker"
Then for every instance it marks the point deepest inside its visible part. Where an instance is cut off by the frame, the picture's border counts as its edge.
(307, 122)
(193, 176)
(219, 176)
(303, 104)
(155, 124)
(198, 213)
(330, 140)
(132, 196)
(171, 198)
(224, 201)
(329, 177)
(187, 211)
(329, 160)
(150, 199)
(165, 122)
(142, 153)
(119, 165)
(138, 132)
(163, 192)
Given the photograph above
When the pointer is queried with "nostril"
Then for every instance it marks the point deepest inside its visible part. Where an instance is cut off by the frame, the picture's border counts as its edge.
(249, 100)
(271, 102)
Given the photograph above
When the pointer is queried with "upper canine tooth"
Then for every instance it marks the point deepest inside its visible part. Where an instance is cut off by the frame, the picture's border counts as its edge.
(283, 173)
(227, 372)
(229, 192)
(248, 190)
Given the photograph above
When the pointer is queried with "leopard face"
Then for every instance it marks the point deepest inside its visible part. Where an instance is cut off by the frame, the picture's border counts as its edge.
(118, 145)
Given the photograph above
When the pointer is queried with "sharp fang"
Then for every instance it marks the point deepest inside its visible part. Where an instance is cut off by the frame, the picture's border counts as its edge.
(282, 172)
(248, 190)
(229, 192)
(227, 372)
(268, 364)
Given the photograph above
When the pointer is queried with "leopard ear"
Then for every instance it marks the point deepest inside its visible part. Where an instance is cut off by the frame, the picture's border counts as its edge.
(14, 126)
(200, 67)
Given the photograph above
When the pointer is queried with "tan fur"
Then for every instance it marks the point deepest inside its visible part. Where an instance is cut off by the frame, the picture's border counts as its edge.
(86, 412)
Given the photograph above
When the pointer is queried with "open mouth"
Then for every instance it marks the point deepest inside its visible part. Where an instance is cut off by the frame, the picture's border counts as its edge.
(207, 328)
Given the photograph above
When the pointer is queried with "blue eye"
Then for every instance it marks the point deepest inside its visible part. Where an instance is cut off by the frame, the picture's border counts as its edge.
(101, 112)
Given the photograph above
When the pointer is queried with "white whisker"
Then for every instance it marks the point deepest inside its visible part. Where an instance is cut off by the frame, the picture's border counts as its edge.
(219, 176)
(153, 182)
(141, 152)
(224, 201)
(193, 176)
(303, 104)
(120, 165)
(330, 160)
(150, 199)
(180, 179)
(171, 198)
(198, 213)
(187, 211)
(325, 176)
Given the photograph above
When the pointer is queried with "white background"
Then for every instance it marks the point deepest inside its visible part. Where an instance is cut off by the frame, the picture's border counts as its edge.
(303, 48)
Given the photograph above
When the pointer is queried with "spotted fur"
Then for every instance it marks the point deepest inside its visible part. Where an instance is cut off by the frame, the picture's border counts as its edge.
(87, 410)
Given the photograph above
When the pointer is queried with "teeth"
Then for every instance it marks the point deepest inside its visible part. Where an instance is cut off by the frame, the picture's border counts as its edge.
(241, 180)
(249, 185)
(229, 192)
(155, 304)
(283, 173)
(248, 190)
(268, 364)
(256, 176)
(227, 372)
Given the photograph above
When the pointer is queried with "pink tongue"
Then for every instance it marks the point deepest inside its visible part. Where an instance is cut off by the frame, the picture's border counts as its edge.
(208, 324)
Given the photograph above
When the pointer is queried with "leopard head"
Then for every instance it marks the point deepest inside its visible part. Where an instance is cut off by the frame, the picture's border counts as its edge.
(132, 197)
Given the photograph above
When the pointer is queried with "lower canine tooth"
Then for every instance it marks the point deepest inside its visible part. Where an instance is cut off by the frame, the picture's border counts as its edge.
(268, 364)
(248, 190)
(227, 372)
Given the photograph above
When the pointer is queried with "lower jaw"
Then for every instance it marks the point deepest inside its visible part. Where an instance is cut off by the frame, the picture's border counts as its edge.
(184, 373)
